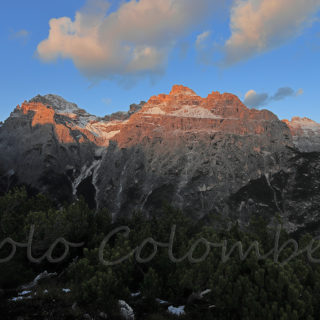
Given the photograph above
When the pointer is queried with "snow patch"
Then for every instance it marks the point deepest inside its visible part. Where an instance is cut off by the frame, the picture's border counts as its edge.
(161, 301)
(43, 275)
(61, 104)
(86, 172)
(136, 294)
(190, 111)
(154, 110)
(205, 292)
(23, 293)
(102, 129)
(17, 298)
(20, 298)
(83, 120)
(109, 135)
(306, 125)
(179, 311)
(194, 112)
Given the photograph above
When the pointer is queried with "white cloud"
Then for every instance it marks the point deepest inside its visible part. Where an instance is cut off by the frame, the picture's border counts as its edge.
(260, 25)
(135, 39)
(202, 37)
(252, 99)
(205, 48)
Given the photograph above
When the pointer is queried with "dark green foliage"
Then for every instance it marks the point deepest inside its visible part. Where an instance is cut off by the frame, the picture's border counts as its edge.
(248, 289)
(18, 213)
(151, 285)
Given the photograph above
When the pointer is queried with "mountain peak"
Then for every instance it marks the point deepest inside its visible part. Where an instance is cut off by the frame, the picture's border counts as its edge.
(181, 90)
(304, 120)
(305, 133)
(56, 102)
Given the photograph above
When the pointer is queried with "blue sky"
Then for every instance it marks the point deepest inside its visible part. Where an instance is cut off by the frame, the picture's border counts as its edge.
(247, 47)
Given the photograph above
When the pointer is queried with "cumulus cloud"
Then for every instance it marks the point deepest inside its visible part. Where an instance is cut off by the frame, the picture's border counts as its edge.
(135, 39)
(283, 93)
(260, 25)
(253, 99)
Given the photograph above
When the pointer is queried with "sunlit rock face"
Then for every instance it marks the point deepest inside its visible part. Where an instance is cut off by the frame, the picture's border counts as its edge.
(305, 133)
(39, 149)
(183, 111)
(53, 146)
(72, 124)
(203, 155)
(190, 151)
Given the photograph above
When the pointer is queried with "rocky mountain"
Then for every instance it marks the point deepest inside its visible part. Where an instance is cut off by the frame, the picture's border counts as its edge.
(305, 133)
(208, 155)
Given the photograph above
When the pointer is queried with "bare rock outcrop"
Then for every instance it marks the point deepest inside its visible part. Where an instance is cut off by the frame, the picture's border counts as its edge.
(203, 155)
(305, 133)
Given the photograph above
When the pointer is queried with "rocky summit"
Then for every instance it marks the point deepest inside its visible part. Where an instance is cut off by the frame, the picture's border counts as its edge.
(206, 156)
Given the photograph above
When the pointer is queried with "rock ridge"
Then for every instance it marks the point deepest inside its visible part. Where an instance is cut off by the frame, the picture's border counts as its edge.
(202, 155)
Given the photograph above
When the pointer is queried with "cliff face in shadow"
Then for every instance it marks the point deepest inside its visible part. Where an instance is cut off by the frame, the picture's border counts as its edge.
(203, 155)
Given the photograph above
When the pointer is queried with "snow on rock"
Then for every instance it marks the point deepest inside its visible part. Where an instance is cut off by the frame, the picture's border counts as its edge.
(154, 110)
(109, 135)
(305, 133)
(86, 172)
(104, 130)
(161, 301)
(136, 294)
(205, 292)
(66, 290)
(305, 125)
(65, 108)
(198, 295)
(23, 293)
(41, 276)
(20, 298)
(184, 112)
(60, 104)
(17, 298)
(126, 311)
(179, 311)
(194, 112)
